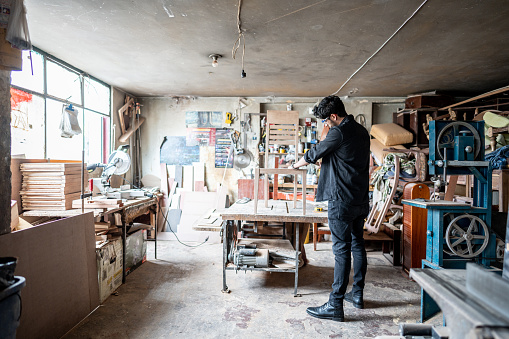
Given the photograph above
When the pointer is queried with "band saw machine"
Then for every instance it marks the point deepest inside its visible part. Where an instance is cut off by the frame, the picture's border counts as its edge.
(457, 232)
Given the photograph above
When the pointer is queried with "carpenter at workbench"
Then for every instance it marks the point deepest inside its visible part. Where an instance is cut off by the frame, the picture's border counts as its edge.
(344, 182)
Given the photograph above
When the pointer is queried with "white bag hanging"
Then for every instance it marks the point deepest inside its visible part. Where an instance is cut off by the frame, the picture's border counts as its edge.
(69, 125)
(17, 29)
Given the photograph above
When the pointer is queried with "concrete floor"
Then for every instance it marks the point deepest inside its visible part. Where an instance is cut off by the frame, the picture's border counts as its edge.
(179, 295)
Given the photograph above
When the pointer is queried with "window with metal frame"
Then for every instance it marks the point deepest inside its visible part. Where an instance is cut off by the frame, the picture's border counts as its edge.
(39, 93)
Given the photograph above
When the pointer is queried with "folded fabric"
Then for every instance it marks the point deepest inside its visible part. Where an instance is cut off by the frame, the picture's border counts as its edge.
(391, 134)
(498, 158)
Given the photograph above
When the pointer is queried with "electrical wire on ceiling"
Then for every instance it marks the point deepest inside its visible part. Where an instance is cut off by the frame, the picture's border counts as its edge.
(378, 50)
(241, 38)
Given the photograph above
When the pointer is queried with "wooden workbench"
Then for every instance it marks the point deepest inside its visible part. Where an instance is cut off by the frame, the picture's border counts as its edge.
(124, 216)
(278, 211)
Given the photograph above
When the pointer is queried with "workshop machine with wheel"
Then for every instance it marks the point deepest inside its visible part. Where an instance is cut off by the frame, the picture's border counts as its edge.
(457, 232)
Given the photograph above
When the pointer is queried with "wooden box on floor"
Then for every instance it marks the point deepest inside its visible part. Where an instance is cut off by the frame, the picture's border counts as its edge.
(414, 227)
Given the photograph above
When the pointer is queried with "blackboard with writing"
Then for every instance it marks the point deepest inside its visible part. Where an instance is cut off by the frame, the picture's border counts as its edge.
(175, 152)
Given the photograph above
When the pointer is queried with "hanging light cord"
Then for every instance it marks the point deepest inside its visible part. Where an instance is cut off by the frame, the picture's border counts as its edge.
(378, 50)
(240, 38)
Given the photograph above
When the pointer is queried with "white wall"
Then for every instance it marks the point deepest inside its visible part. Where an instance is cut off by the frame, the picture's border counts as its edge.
(166, 117)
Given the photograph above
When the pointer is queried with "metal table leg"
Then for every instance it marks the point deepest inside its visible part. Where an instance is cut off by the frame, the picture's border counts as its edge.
(297, 247)
(124, 246)
(226, 226)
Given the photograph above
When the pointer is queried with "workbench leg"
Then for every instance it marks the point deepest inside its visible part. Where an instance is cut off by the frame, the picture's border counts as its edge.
(225, 255)
(153, 222)
(124, 246)
(297, 248)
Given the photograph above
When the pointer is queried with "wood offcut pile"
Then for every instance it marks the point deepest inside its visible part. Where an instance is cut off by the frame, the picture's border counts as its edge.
(50, 186)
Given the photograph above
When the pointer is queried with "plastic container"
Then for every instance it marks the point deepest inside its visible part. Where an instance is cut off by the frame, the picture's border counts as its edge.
(10, 308)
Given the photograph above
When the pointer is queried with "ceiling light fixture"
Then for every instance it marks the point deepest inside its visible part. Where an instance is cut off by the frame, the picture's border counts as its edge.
(214, 58)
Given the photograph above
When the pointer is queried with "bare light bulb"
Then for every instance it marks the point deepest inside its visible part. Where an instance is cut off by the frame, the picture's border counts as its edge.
(214, 58)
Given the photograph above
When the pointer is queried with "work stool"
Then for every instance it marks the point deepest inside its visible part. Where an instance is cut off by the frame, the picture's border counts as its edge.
(319, 229)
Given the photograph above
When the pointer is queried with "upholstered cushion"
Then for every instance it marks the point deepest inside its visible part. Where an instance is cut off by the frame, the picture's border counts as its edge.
(391, 134)
(378, 152)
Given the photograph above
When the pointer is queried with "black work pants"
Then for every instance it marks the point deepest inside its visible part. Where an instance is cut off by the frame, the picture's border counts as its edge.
(346, 223)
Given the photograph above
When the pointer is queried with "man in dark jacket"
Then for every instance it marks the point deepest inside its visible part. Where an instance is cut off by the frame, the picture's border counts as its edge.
(344, 183)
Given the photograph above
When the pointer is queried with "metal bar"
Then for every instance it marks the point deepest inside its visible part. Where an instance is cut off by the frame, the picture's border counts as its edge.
(124, 248)
(82, 179)
(464, 163)
(225, 259)
(478, 175)
(304, 179)
(257, 179)
(155, 234)
(297, 247)
(266, 190)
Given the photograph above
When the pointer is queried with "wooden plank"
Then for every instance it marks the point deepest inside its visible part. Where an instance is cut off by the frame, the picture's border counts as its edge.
(188, 177)
(281, 171)
(451, 187)
(278, 131)
(137, 123)
(48, 165)
(52, 258)
(487, 94)
(283, 117)
(121, 114)
(199, 171)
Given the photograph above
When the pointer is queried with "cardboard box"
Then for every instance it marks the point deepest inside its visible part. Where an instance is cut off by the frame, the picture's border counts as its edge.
(109, 268)
(10, 58)
(136, 250)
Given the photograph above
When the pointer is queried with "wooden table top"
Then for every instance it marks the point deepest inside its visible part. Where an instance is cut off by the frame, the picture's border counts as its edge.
(276, 211)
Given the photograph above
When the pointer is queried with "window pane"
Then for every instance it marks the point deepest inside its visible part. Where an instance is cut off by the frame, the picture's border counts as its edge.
(63, 83)
(58, 147)
(97, 96)
(96, 137)
(25, 78)
(27, 124)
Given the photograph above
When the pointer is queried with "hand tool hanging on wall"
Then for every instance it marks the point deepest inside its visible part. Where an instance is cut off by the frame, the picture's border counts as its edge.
(229, 119)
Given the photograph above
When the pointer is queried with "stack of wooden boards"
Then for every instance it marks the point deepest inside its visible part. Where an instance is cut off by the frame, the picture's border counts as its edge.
(50, 186)
(105, 231)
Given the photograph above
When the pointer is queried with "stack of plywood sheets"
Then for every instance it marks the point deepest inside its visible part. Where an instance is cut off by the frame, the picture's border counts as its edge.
(50, 186)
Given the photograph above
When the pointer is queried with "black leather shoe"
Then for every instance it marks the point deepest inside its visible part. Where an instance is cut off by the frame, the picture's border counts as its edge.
(356, 299)
(327, 311)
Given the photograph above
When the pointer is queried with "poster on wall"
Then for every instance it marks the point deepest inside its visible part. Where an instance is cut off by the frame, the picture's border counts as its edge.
(201, 137)
(223, 148)
(203, 119)
(174, 151)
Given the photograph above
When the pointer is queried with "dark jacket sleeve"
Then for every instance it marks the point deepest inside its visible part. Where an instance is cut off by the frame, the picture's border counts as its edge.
(328, 145)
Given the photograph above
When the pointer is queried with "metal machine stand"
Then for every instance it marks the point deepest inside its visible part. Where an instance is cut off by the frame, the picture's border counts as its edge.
(457, 233)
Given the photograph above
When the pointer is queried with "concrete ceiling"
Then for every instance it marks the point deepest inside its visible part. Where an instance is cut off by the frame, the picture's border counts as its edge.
(293, 47)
